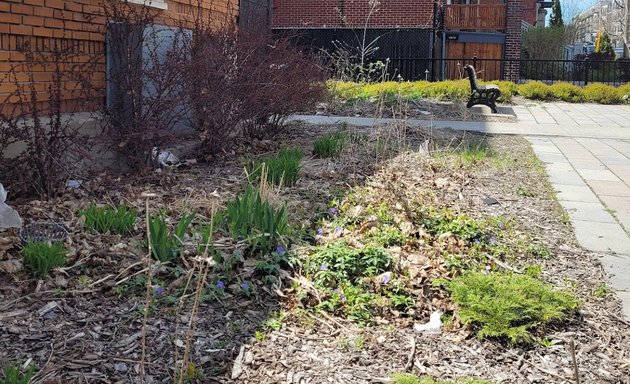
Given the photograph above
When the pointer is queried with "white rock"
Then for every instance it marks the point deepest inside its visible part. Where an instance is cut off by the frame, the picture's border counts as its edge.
(165, 158)
(9, 218)
(73, 184)
(433, 326)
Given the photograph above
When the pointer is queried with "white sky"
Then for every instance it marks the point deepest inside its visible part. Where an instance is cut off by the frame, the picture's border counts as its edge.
(571, 7)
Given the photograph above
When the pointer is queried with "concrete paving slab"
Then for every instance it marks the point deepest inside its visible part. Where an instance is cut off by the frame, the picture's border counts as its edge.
(602, 237)
(564, 177)
(622, 171)
(579, 193)
(624, 296)
(616, 203)
(550, 157)
(589, 211)
(591, 165)
(610, 188)
(620, 145)
(618, 267)
(548, 148)
(615, 160)
(597, 175)
(620, 207)
(575, 151)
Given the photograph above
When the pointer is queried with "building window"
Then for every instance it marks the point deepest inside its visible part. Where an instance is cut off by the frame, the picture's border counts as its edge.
(161, 4)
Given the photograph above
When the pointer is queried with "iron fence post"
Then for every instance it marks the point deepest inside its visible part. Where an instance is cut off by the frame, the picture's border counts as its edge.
(585, 71)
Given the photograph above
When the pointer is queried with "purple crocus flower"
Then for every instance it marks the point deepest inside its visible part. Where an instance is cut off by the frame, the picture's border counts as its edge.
(324, 267)
(245, 285)
(333, 211)
(336, 291)
(386, 278)
(159, 291)
(343, 298)
(493, 240)
(221, 285)
(477, 241)
(280, 250)
(500, 224)
(320, 231)
(338, 230)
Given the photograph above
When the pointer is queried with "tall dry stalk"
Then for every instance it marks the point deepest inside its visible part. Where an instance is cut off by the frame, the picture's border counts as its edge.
(367, 48)
(148, 295)
(203, 264)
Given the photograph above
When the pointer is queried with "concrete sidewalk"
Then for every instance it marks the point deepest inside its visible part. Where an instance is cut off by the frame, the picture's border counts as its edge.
(592, 181)
(496, 128)
(586, 149)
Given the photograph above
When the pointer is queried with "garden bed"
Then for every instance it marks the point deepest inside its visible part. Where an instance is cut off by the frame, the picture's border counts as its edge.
(386, 94)
(85, 321)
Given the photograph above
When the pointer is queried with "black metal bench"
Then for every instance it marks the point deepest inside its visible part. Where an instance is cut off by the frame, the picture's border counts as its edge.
(481, 94)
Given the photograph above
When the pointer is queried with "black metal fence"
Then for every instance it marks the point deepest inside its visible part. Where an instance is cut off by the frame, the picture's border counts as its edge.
(408, 55)
(579, 72)
(404, 52)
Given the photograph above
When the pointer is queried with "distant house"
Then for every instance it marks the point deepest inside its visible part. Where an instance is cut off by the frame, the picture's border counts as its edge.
(604, 16)
(411, 33)
(78, 25)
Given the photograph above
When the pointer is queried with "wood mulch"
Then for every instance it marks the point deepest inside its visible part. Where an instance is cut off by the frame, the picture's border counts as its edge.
(84, 323)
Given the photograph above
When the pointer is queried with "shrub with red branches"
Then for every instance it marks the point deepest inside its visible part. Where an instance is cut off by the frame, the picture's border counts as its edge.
(144, 107)
(245, 82)
(40, 143)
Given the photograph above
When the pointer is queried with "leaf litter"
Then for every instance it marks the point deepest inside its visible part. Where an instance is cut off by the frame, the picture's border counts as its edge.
(76, 327)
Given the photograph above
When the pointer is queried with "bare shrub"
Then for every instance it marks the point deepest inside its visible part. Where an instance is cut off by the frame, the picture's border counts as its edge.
(243, 82)
(144, 108)
(279, 80)
(206, 74)
(40, 143)
(211, 86)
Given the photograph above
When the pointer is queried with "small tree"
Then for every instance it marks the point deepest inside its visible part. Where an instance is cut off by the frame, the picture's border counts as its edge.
(547, 43)
(605, 46)
(556, 15)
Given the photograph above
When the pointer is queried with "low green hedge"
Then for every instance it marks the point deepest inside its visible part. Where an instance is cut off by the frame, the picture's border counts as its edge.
(460, 89)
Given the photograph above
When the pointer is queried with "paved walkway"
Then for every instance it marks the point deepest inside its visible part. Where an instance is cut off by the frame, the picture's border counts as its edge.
(592, 179)
(540, 119)
(586, 149)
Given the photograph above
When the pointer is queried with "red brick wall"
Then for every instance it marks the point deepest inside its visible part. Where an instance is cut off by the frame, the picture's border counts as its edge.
(530, 11)
(351, 14)
(79, 24)
(513, 39)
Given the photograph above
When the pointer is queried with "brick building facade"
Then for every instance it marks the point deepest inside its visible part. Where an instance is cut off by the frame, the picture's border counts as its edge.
(511, 70)
(352, 14)
(531, 10)
(78, 26)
